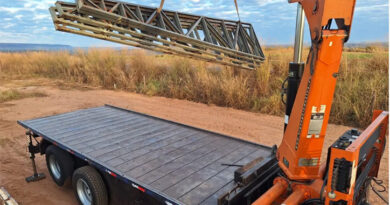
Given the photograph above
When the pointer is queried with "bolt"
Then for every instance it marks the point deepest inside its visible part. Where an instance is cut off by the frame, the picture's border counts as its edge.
(331, 195)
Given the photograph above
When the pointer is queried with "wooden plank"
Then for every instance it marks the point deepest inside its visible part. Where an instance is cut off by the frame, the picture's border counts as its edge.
(177, 22)
(228, 177)
(65, 116)
(71, 126)
(155, 47)
(103, 5)
(194, 180)
(170, 24)
(244, 41)
(170, 167)
(197, 34)
(226, 34)
(151, 148)
(236, 35)
(132, 163)
(164, 158)
(151, 17)
(217, 35)
(161, 22)
(131, 13)
(114, 8)
(131, 128)
(213, 198)
(152, 145)
(139, 14)
(194, 42)
(115, 152)
(207, 188)
(115, 134)
(122, 11)
(194, 26)
(93, 4)
(167, 49)
(180, 174)
(206, 31)
(87, 128)
(255, 40)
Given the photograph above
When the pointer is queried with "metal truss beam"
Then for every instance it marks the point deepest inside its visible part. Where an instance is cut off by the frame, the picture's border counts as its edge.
(220, 41)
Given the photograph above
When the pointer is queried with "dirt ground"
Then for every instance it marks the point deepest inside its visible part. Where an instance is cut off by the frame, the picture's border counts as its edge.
(15, 164)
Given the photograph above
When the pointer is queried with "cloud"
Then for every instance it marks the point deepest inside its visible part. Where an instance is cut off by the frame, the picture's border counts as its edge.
(19, 16)
(40, 30)
(29, 5)
(38, 5)
(17, 37)
(41, 16)
(273, 20)
(262, 3)
(377, 7)
(12, 10)
(8, 25)
(232, 14)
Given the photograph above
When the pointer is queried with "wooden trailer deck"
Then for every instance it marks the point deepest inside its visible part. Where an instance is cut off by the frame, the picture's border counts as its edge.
(176, 162)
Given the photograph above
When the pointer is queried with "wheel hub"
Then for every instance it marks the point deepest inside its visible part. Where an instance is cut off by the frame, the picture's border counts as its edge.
(84, 192)
(55, 167)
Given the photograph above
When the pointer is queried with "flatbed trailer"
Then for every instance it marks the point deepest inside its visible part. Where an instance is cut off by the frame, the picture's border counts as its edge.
(160, 161)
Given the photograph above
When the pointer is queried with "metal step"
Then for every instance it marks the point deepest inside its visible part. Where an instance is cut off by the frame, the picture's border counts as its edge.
(5, 198)
(214, 40)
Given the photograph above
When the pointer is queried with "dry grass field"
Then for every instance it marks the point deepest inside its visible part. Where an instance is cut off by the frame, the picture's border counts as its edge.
(36, 84)
(362, 84)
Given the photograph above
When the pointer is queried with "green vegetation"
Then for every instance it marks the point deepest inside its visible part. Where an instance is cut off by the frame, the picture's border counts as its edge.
(9, 95)
(362, 85)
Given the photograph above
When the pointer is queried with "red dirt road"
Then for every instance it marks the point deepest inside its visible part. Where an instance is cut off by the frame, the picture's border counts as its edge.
(15, 164)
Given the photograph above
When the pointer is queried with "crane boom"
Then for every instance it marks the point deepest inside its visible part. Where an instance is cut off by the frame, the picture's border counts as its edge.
(300, 151)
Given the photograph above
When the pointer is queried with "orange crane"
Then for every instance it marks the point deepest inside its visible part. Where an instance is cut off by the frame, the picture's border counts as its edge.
(298, 175)
(299, 154)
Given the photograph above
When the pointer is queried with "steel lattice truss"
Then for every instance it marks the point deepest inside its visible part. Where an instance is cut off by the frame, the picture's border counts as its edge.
(215, 40)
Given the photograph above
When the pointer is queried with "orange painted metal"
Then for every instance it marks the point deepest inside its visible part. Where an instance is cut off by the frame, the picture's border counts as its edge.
(301, 192)
(280, 194)
(352, 154)
(297, 197)
(277, 190)
(300, 151)
(381, 145)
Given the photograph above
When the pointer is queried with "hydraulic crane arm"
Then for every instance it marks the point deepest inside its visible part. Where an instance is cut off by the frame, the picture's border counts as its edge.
(300, 151)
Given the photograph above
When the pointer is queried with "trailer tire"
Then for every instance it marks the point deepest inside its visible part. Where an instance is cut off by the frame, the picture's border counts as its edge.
(60, 164)
(89, 187)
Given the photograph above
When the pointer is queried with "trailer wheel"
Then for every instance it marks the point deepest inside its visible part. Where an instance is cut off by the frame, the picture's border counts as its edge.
(89, 186)
(59, 163)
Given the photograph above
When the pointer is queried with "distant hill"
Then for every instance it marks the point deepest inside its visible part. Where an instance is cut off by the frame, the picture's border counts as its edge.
(347, 45)
(20, 47)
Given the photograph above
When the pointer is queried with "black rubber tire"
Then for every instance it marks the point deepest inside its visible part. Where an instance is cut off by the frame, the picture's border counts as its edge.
(65, 162)
(95, 183)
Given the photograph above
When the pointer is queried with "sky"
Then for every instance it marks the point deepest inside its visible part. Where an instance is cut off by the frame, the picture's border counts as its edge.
(29, 21)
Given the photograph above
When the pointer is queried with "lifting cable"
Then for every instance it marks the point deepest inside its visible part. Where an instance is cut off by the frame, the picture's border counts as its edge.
(161, 6)
(238, 12)
(156, 13)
